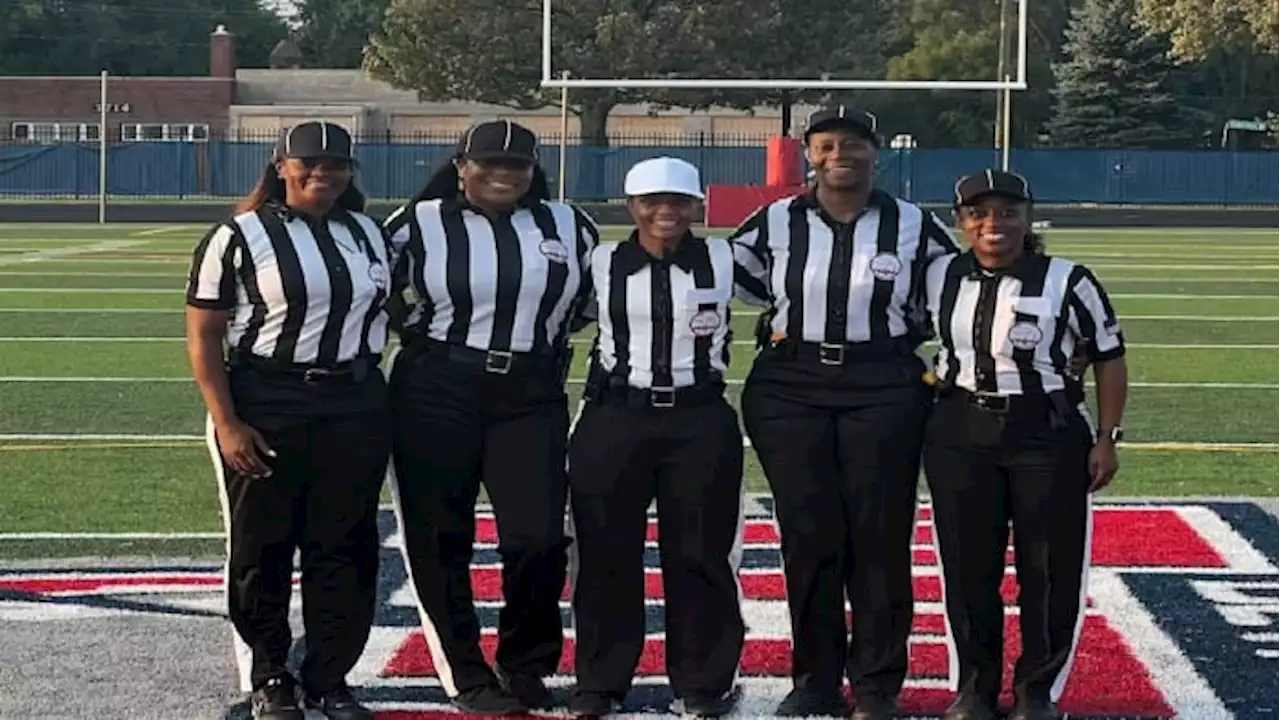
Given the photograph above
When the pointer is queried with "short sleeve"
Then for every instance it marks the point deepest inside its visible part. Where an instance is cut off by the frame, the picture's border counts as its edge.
(211, 283)
(1093, 319)
(750, 244)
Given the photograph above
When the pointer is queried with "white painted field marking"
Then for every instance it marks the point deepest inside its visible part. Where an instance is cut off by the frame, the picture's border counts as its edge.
(163, 230)
(1105, 250)
(1176, 296)
(1164, 346)
(111, 536)
(75, 273)
(93, 437)
(70, 252)
(1188, 266)
(94, 291)
(175, 260)
(123, 339)
(1233, 281)
(1204, 318)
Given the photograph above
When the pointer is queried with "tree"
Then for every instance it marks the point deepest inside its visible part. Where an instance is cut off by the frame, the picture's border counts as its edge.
(1198, 27)
(1113, 89)
(334, 33)
(461, 50)
(129, 37)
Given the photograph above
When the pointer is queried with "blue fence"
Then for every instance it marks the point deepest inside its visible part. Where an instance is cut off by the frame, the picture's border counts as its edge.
(396, 170)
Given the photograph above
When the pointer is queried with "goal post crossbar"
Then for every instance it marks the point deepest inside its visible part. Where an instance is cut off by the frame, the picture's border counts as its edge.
(1016, 81)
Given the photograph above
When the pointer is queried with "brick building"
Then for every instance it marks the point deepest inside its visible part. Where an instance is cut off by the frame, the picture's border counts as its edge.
(66, 109)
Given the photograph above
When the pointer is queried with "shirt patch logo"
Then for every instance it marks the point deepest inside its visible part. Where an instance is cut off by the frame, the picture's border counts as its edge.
(1025, 336)
(1111, 327)
(885, 266)
(378, 274)
(554, 250)
(704, 323)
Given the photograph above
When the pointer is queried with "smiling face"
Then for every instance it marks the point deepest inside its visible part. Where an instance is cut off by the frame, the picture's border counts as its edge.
(842, 159)
(314, 182)
(996, 226)
(495, 183)
(665, 216)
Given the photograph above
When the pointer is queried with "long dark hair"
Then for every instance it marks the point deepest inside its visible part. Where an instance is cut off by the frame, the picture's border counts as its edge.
(1033, 243)
(444, 184)
(270, 189)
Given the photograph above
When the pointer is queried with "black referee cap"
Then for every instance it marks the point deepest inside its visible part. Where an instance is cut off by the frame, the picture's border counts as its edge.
(499, 139)
(858, 120)
(314, 139)
(971, 188)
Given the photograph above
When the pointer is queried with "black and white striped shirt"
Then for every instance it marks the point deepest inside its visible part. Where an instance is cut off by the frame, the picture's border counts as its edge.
(509, 284)
(824, 281)
(300, 292)
(1013, 333)
(662, 323)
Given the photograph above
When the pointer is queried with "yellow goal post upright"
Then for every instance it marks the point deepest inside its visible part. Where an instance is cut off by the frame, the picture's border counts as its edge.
(1004, 84)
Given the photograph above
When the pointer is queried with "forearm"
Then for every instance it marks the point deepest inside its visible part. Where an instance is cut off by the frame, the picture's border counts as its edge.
(1112, 380)
(204, 352)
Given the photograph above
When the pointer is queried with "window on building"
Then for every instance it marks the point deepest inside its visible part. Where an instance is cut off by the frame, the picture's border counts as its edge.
(164, 132)
(52, 132)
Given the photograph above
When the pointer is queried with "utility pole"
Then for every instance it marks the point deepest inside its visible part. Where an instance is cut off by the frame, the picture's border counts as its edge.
(1000, 75)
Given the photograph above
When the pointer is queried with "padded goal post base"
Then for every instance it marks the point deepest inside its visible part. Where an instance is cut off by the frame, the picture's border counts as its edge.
(729, 205)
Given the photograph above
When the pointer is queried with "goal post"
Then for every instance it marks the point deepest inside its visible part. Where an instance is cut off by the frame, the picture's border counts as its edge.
(1016, 81)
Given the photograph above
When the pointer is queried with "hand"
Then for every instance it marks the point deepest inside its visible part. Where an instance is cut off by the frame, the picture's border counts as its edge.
(1078, 364)
(1103, 464)
(244, 449)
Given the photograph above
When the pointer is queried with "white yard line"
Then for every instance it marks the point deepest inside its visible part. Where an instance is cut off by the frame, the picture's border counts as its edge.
(62, 253)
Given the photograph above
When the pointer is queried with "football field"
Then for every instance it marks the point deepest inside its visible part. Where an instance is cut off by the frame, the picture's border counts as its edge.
(110, 534)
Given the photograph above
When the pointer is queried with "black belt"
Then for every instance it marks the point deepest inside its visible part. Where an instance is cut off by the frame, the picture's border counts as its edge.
(1009, 404)
(354, 370)
(669, 397)
(838, 353)
(498, 362)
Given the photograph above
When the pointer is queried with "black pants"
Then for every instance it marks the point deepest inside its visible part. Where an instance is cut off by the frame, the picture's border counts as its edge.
(690, 459)
(986, 470)
(840, 447)
(333, 441)
(457, 426)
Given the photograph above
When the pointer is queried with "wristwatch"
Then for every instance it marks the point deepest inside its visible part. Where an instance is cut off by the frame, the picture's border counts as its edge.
(1116, 434)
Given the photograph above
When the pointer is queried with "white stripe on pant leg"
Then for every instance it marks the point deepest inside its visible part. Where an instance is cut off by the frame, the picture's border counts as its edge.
(243, 653)
(574, 558)
(1060, 682)
(444, 671)
(953, 654)
(736, 553)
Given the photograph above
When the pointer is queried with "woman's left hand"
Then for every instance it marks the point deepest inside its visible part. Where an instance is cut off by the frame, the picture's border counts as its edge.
(1103, 465)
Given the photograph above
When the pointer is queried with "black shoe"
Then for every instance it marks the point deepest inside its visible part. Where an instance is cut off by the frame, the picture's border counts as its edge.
(709, 705)
(968, 706)
(590, 703)
(874, 707)
(806, 702)
(1034, 710)
(339, 704)
(529, 689)
(277, 700)
(489, 701)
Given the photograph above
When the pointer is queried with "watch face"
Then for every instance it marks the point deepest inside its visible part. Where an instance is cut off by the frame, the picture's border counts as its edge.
(1117, 434)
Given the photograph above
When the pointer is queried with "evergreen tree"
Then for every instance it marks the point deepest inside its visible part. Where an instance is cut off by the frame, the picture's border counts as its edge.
(1114, 87)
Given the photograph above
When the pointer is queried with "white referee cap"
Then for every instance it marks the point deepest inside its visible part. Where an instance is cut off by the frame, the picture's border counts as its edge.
(663, 175)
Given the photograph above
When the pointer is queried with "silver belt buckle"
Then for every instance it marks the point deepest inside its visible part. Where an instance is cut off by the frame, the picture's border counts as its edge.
(831, 353)
(314, 375)
(662, 397)
(498, 362)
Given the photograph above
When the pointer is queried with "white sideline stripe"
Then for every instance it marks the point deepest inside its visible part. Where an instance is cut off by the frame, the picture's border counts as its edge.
(579, 381)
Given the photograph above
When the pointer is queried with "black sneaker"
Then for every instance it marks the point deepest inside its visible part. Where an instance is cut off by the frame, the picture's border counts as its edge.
(339, 704)
(874, 707)
(529, 689)
(277, 700)
(709, 705)
(489, 701)
(806, 702)
(590, 703)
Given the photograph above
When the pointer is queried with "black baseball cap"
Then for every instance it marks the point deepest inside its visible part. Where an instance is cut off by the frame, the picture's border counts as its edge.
(858, 120)
(313, 139)
(971, 188)
(499, 139)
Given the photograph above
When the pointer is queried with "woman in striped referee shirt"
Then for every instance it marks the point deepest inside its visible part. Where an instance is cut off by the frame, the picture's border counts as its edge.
(835, 406)
(478, 396)
(298, 426)
(656, 425)
(1012, 441)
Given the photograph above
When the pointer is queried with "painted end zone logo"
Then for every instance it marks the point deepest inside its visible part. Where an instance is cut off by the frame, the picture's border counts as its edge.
(1181, 618)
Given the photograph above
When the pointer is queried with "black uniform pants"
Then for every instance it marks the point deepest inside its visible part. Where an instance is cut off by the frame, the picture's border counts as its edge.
(333, 440)
(690, 459)
(457, 426)
(986, 470)
(840, 447)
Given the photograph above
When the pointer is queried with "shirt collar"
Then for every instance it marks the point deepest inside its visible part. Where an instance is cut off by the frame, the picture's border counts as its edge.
(809, 200)
(689, 254)
(286, 213)
(1020, 269)
(459, 202)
